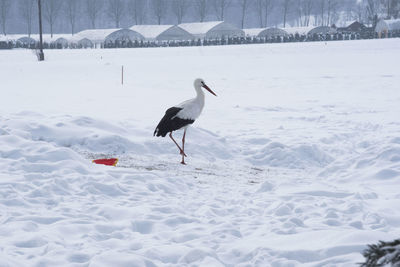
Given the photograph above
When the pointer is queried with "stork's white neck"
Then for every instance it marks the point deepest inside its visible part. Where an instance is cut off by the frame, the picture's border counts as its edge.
(200, 96)
(199, 91)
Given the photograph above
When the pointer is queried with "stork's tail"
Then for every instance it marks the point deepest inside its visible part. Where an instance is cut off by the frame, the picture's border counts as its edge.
(157, 133)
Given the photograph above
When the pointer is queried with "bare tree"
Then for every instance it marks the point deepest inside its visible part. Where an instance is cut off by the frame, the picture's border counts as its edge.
(137, 10)
(322, 6)
(51, 11)
(180, 8)
(332, 6)
(159, 9)
(350, 8)
(392, 8)
(372, 7)
(220, 7)
(244, 7)
(359, 10)
(93, 9)
(26, 8)
(259, 7)
(300, 11)
(304, 11)
(268, 7)
(115, 11)
(395, 8)
(263, 9)
(201, 8)
(285, 6)
(5, 6)
(72, 7)
(387, 4)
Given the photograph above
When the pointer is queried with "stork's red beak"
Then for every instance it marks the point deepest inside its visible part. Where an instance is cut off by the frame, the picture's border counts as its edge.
(208, 89)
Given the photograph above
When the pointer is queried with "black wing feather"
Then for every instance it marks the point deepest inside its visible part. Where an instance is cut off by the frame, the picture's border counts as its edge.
(171, 123)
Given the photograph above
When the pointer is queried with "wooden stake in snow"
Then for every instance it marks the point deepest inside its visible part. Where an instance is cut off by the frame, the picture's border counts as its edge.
(122, 75)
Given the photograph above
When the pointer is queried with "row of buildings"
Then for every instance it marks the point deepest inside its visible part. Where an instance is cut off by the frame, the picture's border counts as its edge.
(187, 32)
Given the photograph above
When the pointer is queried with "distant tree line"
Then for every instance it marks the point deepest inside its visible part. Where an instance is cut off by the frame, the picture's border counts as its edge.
(20, 16)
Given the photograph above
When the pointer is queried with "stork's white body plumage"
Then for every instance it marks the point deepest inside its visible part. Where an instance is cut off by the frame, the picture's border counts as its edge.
(182, 115)
(191, 109)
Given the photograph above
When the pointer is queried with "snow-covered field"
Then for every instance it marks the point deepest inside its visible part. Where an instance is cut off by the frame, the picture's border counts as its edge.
(295, 163)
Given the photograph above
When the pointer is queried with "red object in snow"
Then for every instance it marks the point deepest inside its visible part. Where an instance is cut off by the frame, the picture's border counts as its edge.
(109, 162)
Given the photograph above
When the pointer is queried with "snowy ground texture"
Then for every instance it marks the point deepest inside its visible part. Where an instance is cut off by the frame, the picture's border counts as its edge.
(295, 163)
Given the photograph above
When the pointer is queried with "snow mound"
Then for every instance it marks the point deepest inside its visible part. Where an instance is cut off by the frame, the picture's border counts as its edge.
(89, 136)
(276, 154)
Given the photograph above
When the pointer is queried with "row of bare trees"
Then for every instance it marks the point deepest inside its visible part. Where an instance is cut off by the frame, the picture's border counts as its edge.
(262, 13)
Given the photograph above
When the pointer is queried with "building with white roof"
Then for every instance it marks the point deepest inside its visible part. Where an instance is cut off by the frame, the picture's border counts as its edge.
(310, 30)
(265, 32)
(5, 41)
(212, 29)
(57, 39)
(298, 30)
(5, 38)
(26, 40)
(85, 43)
(162, 32)
(383, 27)
(81, 42)
(351, 26)
(322, 30)
(99, 36)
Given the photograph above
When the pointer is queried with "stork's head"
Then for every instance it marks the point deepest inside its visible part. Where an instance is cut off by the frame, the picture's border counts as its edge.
(198, 83)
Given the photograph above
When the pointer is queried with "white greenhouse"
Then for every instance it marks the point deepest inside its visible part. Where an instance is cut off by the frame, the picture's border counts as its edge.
(19, 39)
(265, 32)
(212, 29)
(310, 30)
(162, 32)
(84, 43)
(26, 41)
(6, 38)
(61, 41)
(383, 27)
(100, 36)
(298, 30)
(322, 30)
(57, 39)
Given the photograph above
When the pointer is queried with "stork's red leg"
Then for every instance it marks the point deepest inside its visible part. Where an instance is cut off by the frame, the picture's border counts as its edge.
(180, 149)
(183, 148)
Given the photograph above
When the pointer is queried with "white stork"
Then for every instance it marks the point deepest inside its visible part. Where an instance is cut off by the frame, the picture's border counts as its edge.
(182, 115)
